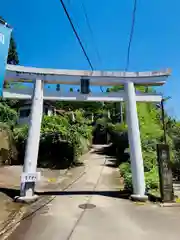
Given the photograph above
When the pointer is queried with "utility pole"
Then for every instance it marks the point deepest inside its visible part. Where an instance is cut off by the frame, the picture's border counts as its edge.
(163, 120)
(121, 112)
(161, 106)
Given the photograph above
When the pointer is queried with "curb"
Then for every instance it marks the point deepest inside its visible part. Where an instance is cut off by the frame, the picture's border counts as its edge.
(25, 211)
(170, 204)
(11, 223)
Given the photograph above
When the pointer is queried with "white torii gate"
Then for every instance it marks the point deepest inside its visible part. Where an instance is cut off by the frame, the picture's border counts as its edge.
(41, 76)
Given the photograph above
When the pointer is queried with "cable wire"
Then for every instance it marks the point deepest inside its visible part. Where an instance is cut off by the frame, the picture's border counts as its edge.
(91, 31)
(131, 34)
(76, 34)
(92, 35)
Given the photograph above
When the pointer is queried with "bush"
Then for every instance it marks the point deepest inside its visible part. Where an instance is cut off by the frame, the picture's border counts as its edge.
(119, 138)
(118, 127)
(150, 123)
(8, 151)
(125, 171)
(151, 177)
(61, 142)
(8, 115)
(150, 159)
(151, 134)
(60, 152)
(20, 135)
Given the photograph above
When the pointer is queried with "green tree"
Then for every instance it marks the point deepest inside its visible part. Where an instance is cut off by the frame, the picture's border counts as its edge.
(12, 59)
(13, 54)
(7, 115)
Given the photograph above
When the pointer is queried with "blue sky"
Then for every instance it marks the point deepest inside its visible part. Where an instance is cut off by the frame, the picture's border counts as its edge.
(45, 39)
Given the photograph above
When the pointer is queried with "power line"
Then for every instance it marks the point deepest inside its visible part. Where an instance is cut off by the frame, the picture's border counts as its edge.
(76, 34)
(131, 34)
(92, 35)
(76, 23)
(91, 31)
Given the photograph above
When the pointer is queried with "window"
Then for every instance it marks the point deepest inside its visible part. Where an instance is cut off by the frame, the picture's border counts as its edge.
(25, 113)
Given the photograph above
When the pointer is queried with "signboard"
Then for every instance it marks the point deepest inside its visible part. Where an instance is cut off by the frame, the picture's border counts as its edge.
(165, 173)
(30, 177)
(5, 35)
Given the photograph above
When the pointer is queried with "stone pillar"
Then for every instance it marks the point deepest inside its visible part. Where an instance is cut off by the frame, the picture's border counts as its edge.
(32, 146)
(137, 166)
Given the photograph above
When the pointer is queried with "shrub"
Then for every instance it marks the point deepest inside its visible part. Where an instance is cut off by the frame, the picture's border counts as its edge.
(150, 159)
(151, 177)
(125, 171)
(8, 151)
(118, 127)
(8, 115)
(61, 142)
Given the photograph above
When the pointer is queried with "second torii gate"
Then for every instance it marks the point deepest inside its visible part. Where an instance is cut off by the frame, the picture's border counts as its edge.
(41, 76)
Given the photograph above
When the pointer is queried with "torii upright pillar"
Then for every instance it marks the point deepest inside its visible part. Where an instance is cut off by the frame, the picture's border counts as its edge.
(137, 166)
(32, 146)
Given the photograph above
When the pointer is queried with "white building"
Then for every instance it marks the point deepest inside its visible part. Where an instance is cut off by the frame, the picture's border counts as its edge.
(25, 110)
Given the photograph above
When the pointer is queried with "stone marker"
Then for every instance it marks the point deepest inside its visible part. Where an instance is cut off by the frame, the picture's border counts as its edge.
(165, 173)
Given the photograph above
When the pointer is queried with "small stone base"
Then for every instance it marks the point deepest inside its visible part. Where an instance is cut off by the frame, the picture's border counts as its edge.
(139, 198)
(26, 199)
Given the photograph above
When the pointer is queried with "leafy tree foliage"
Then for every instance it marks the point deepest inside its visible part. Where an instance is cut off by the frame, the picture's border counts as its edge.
(12, 55)
(7, 115)
(65, 140)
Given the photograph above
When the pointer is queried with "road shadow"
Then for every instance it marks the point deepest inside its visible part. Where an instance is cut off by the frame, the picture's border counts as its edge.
(124, 194)
(106, 150)
(10, 192)
(110, 165)
(153, 198)
(117, 154)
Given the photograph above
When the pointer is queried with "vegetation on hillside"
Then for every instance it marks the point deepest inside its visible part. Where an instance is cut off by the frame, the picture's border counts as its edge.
(66, 141)
(13, 54)
(151, 129)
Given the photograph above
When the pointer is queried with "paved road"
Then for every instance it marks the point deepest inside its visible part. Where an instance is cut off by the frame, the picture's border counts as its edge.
(112, 218)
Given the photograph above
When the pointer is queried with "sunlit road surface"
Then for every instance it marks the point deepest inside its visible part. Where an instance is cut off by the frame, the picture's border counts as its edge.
(110, 217)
